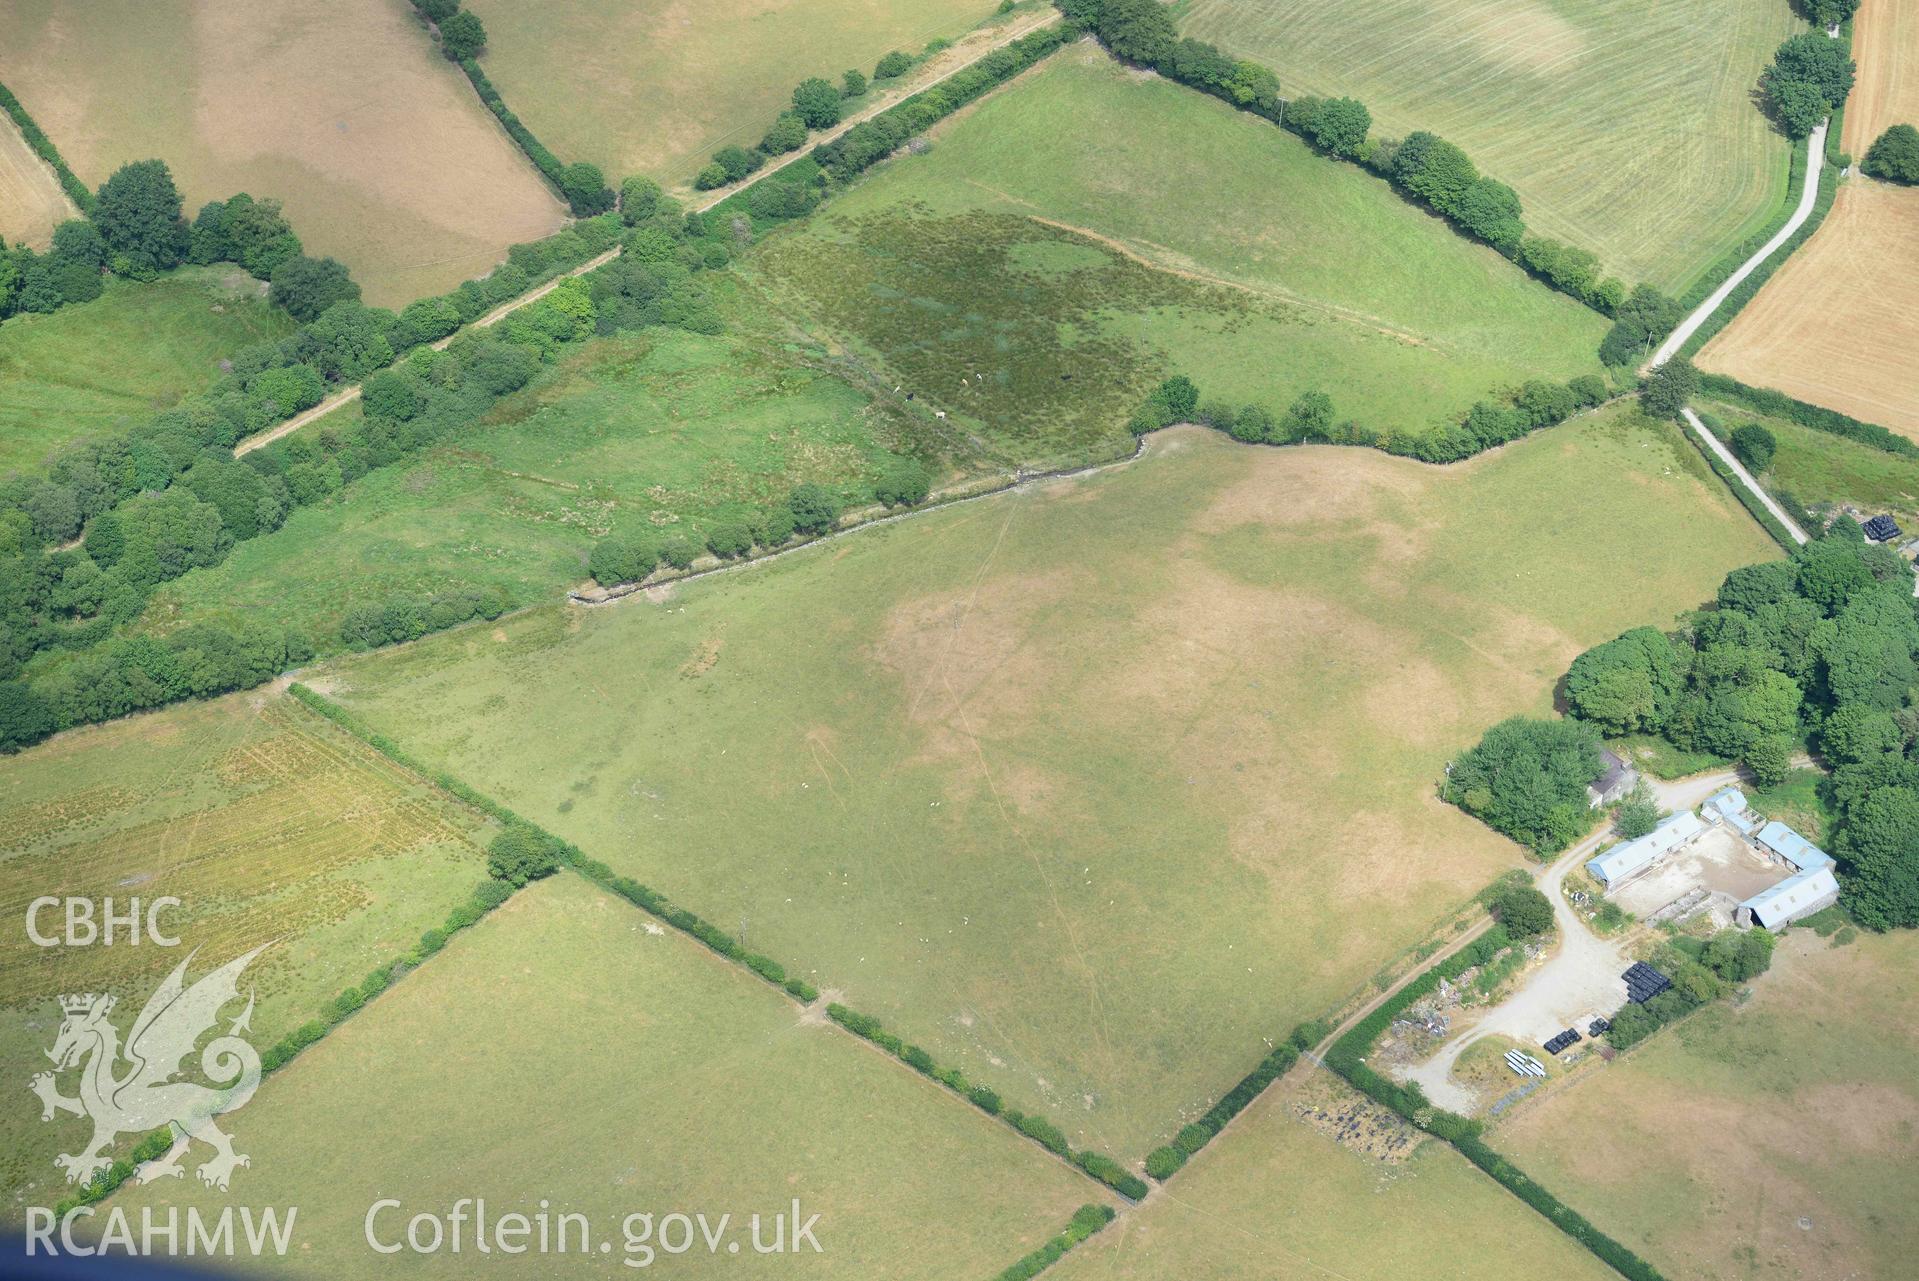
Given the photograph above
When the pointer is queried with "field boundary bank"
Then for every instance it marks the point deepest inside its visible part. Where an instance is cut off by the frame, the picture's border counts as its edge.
(44, 147)
(710, 201)
(1020, 480)
(764, 968)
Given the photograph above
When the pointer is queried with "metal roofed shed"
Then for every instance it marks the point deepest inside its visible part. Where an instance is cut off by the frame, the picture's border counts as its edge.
(1800, 894)
(1728, 805)
(1787, 845)
(1643, 982)
(1621, 861)
(1881, 529)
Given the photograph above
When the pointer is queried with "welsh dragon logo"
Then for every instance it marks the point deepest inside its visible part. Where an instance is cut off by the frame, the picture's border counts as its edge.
(143, 1096)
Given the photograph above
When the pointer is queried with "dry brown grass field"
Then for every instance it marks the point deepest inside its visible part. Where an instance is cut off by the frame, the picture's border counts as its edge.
(386, 160)
(31, 202)
(1773, 1138)
(1838, 325)
(1086, 788)
(1885, 44)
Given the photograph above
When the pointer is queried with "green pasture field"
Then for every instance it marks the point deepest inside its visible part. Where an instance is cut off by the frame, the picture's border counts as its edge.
(344, 110)
(562, 1052)
(135, 349)
(656, 89)
(1819, 469)
(1088, 788)
(1277, 1200)
(1628, 127)
(1087, 231)
(666, 431)
(266, 821)
(1774, 1137)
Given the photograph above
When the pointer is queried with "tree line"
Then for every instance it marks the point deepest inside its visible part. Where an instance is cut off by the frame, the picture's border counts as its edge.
(462, 39)
(172, 498)
(1311, 419)
(1819, 651)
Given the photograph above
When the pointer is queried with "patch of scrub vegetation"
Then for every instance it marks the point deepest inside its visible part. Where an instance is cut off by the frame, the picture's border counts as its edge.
(1033, 778)
(628, 1070)
(267, 823)
(1820, 471)
(1019, 278)
(662, 433)
(1576, 103)
(135, 349)
(1806, 1090)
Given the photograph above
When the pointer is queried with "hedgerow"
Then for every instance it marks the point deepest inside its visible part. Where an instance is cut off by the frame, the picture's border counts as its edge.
(1409, 1101)
(1034, 1126)
(1087, 1220)
(43, 147)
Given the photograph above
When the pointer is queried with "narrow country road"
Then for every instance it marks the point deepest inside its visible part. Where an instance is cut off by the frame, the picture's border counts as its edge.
(1746, 478)
(1815, 165)
(347, 395)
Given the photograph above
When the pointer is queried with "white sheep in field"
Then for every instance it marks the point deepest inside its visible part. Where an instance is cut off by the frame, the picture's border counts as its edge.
(939, 413)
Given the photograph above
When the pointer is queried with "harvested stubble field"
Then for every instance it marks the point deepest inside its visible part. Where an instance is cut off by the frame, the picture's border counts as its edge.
(387, 161)
(135, 349)
(1020, 276)
(657, 88)
(1086, 788)
(667, 432)
(1838, 324)
(1885, 44)
(561, 1051)
(266, 821)
(1775, 1137)
(1276, 1200)
(1627, 126)
(31, 201)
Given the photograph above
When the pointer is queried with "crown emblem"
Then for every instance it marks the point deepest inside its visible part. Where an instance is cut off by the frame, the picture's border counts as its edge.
(85, 1003)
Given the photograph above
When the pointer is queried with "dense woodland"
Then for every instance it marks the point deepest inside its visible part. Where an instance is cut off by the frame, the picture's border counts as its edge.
(1816, 653)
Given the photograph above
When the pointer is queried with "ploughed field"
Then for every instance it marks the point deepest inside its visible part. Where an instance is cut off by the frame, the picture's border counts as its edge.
(1088, 788)
(269, 824)
(1837, 325)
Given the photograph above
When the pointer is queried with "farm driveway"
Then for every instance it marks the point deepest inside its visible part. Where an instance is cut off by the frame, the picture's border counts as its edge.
(1581, 978)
